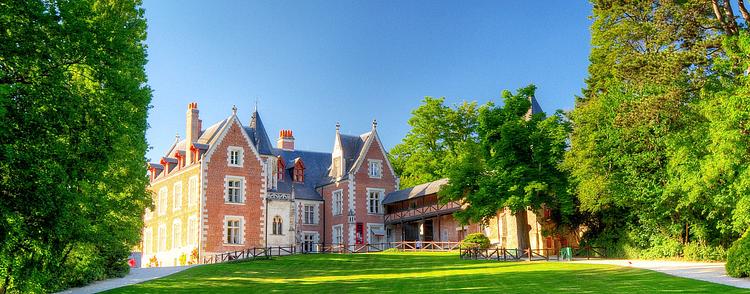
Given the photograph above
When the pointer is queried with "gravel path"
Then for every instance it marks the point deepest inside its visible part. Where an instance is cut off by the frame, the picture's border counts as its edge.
(713, 272)
(136, 275)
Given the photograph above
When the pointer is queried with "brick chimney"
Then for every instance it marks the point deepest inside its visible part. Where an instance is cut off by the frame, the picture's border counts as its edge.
(192, 127)
(285, 141)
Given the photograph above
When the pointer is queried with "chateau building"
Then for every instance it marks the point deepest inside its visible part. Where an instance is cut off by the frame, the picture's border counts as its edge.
(227, 188)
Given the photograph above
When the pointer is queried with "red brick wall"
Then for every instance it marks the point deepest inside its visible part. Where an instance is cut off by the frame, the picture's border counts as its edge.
(363, 181)
(216, 208)
(327, 218)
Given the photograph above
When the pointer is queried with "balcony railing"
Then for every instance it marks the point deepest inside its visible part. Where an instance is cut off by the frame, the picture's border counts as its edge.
(422, 211)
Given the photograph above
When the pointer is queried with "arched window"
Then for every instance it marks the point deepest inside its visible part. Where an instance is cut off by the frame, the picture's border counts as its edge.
(277, 225)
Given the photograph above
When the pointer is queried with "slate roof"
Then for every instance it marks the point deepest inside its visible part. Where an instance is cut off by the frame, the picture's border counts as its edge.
(535, 108)
(414, 192)
(352, 147)
(316, 171)
(258, 135)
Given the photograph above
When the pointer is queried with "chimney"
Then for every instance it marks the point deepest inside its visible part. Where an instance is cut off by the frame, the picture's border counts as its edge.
(285, 141)
(193, 126)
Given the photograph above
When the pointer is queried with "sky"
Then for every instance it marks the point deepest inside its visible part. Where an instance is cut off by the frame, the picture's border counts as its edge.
(309, 64)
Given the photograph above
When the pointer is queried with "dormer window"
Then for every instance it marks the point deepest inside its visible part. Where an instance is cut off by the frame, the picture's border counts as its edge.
(299, 171)
(280, 169)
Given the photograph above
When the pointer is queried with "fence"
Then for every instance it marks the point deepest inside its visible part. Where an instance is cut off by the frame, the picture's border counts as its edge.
(466, 251)
(515, 254)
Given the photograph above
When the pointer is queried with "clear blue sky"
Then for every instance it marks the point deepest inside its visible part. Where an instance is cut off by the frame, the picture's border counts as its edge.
(313, 63)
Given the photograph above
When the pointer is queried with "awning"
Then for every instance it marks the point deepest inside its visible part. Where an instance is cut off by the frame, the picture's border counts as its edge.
(377, 232)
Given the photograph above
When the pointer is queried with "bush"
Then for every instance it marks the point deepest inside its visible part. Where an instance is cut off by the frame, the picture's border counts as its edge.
(696, 251)
(479, 239)
(738, 257)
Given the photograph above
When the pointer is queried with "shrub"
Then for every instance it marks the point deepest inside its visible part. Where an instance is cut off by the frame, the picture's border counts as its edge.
(696, 251)
(738, 257)
(479, 239)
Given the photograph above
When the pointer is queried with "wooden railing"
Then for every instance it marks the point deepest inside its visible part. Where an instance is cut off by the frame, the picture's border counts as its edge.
(427, 210)
(514, 254)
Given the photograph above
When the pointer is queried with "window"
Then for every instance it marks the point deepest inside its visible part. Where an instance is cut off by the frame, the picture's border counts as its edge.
(234, 227)
(176, 234)
(192, 231)
(299, 174)
(162, 238)
(338, 202)
(337, 167)
(193, 191)
(147, 241)
(308, 242)
(376, 234)
(235, 156)
(234, 190)
(338, 234)
(277, 225)
(309, 214)
(177, 196)
(162, 201)
(375, 168)
(374, 198)
(280, 169)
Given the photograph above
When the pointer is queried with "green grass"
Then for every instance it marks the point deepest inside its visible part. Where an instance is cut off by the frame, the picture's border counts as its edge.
(416, 273)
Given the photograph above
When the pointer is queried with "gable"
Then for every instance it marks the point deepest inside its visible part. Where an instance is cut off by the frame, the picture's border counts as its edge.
(234, 127)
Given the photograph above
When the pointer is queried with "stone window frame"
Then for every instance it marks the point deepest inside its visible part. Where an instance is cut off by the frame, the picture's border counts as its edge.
(335, 205)
(176, 234)
(162, 202)
(381, 195)
(241, 230)
(241, 190)
(375, 165)
(193, 191)
(176, 190)
(240, 156)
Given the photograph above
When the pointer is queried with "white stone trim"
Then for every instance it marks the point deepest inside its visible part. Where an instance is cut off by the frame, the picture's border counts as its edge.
(194, 191)
(161, 246)
(333, 233)
(380, 168)
(177, 187)
(243, 186)
(240, 156)
(162, 202)
(192, 220)
(333, 201)
(352, 205)
(367, 198)
(176, 244)
(224, 229)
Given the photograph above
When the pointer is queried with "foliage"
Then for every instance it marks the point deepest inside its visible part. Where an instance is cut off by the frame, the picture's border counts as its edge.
(73, 108)
(658, 153)
(738, 258)
(416, 272)
(514, 163)
(193, 256)
(697, 251)
(477, 240)
(437, 133)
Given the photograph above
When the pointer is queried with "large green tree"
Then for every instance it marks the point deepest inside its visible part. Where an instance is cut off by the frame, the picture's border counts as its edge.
(73, 109)
(436, 135)
(652, 155)
(515, 162)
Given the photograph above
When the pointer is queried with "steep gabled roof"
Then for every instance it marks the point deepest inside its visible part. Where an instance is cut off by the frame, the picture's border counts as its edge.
(257, 133)
(351, 148)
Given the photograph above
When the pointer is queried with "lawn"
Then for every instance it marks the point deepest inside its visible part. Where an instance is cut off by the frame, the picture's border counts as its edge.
(416, 273)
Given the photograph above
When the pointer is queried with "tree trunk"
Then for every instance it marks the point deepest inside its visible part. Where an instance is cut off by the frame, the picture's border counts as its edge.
(743, 10)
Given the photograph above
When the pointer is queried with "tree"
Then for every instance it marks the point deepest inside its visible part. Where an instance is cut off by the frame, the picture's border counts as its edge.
(73, 109)
(514, 163)
(653, 156)
(436, 134)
